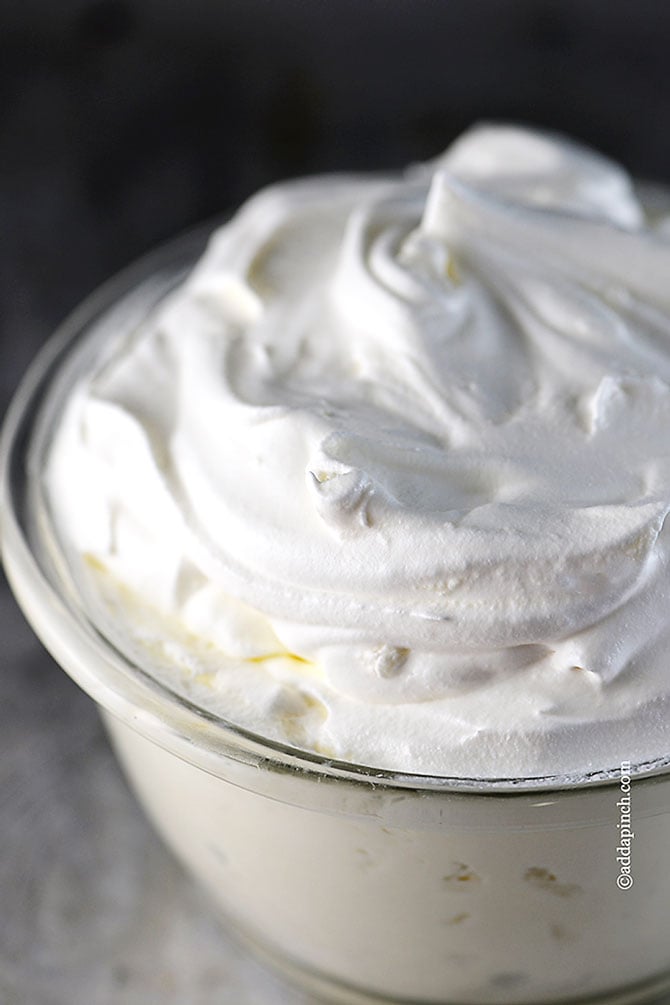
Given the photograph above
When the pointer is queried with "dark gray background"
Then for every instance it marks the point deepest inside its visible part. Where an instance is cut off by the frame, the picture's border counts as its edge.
(121, 123)
(124, 121)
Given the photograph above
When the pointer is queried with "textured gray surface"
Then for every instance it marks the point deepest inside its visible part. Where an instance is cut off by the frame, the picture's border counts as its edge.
(93, 909)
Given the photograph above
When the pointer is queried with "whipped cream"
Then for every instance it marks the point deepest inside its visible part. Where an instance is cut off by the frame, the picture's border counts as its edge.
(386, 477)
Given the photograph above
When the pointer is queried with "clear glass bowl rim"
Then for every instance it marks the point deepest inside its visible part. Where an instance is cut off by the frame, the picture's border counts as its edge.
(129, 692)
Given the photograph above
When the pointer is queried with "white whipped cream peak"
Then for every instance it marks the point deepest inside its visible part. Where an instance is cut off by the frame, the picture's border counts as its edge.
(415, 432)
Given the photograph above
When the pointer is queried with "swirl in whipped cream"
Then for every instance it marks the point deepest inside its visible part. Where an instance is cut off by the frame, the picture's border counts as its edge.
(397, 452)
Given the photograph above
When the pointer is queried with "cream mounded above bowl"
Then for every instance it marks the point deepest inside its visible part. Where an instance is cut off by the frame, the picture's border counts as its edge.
(386, 476)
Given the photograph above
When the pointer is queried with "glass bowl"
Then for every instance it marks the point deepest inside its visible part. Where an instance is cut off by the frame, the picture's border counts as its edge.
(362, 884)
